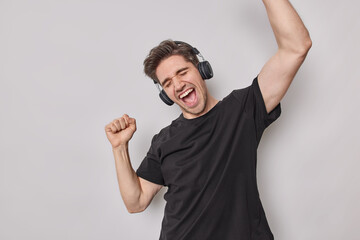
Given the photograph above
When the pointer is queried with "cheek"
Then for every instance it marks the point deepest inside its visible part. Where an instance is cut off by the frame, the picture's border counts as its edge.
(194, 78)
(170, 93)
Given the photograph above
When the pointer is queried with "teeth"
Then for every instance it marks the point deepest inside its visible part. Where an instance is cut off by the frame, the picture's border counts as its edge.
(186, 93)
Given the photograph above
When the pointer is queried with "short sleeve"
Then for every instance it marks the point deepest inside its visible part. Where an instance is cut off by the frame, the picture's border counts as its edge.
(253, 103)
(150, 167)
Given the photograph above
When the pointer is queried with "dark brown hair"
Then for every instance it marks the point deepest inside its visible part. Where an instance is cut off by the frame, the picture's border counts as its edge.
(164, 50)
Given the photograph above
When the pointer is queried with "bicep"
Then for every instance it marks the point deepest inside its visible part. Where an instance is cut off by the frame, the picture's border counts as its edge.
(276, 76)
(148, 191)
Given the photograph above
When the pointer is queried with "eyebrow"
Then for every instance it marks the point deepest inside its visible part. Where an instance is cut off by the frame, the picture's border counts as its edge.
(177, 72)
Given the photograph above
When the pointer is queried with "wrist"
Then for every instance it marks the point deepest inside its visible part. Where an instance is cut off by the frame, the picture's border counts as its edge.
(121, 147)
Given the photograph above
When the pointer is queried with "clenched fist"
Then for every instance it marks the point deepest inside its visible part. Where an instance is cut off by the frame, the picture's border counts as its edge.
(120, 131)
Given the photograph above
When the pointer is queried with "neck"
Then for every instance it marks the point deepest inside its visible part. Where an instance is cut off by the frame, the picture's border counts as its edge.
(210, 103)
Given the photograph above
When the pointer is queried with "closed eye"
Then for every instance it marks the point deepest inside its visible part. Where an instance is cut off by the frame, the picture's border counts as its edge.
(167, 83)
(183, 73)
(180, 72)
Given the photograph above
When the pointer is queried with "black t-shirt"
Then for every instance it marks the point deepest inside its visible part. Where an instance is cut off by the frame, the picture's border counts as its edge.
(209, 166)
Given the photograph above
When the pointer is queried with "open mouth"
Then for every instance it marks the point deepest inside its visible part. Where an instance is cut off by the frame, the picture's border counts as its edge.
(189, 97)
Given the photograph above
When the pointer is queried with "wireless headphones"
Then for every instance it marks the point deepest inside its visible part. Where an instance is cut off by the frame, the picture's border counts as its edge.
(204, 68)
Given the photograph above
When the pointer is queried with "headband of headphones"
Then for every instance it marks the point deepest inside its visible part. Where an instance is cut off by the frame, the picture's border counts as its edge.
(193, 49)
(204, 68)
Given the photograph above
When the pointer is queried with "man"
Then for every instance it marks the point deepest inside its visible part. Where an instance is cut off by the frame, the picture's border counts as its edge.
(207, 156)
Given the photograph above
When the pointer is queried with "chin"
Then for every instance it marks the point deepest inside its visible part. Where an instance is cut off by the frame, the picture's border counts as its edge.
(197, 111)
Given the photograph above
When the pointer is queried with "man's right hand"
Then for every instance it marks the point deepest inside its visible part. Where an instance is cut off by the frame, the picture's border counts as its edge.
(120, 131)
(136, 192)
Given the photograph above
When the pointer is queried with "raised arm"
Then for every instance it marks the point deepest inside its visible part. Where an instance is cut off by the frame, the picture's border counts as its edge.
(136, 192)
(293, 42)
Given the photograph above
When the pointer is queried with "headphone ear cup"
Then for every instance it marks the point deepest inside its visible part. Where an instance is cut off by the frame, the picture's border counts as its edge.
(165, 98)
(205, 70)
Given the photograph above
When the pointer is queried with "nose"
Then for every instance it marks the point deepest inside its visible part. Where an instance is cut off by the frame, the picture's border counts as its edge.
(178, 84)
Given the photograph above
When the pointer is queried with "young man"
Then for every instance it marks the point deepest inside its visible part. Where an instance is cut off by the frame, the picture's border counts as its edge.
(207, 156)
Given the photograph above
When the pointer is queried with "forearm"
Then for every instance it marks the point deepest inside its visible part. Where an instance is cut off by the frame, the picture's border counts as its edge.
(129, 184)
(289, 30)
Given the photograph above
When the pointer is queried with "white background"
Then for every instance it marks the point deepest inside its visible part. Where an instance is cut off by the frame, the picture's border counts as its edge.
(67, 68)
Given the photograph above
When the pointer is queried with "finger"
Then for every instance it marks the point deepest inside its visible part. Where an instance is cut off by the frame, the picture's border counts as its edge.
(126, 118)
(108, 128)
(117, 124)
(122, 123)
(113, 128)
(132, 121)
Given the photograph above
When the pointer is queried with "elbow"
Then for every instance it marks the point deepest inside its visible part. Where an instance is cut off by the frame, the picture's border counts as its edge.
(299, 49)
(133, 210)
(306, 45)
